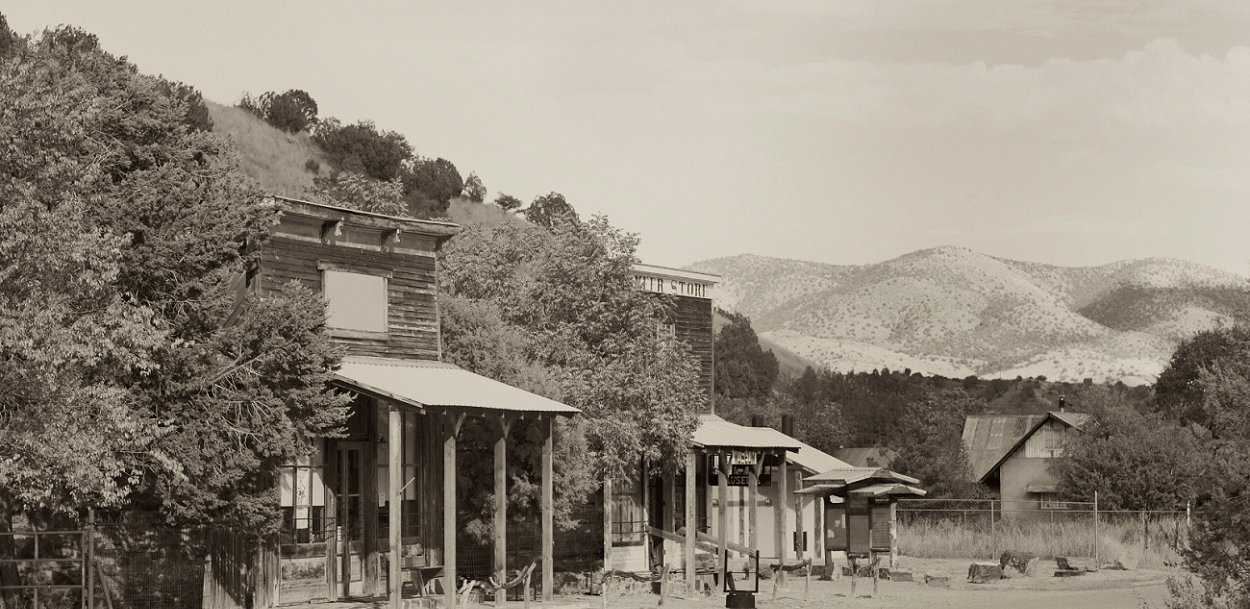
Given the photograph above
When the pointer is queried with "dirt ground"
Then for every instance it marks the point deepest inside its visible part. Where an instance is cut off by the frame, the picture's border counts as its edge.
(1106, 588)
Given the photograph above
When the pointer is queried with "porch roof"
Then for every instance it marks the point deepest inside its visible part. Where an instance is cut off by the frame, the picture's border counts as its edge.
(436, 384)
(852, 475)
(715, 432)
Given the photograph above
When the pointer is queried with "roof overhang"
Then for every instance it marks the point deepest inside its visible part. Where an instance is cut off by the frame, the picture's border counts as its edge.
(422, 385)
(852, 475)
(717, 433)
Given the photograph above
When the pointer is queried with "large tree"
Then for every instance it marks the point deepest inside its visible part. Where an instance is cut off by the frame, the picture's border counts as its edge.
(566, 304)
(743, 368)
(134, 372)
(1134, 461)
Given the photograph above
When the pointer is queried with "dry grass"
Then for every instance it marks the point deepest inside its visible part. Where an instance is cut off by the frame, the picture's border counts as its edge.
(273, 158)
(465, 213)
(1046, 539)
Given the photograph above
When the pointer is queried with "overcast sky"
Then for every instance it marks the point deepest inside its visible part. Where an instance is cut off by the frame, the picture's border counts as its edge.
(1070, 132)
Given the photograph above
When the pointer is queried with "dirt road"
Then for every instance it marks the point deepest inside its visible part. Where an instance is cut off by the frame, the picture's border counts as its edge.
(1104, 589)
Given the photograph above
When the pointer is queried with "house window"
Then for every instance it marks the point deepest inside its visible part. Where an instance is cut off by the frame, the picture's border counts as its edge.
(1052, 439)
(1050, 501)
(356, 301)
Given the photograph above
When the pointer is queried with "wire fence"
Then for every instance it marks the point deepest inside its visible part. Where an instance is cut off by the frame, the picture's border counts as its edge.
(985, 528)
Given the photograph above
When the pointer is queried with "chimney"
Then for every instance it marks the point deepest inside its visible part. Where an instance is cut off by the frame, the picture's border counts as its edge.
(787, 424)
(1061, 403)
(757, 420)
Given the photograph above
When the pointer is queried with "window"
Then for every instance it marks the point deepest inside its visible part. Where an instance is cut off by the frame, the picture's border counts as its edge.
(1050, 501)
(1052, 439)
(356, 301)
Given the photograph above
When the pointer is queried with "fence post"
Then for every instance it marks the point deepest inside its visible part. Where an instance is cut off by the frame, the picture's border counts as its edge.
(993, 532)
(1096, 565)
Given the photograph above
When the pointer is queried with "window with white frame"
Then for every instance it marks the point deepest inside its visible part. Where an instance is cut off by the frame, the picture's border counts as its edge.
(1050, 501)
(356, 301)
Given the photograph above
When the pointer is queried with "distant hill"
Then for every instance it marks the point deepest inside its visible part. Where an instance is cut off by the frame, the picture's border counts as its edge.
(276, 159)
(955, 312)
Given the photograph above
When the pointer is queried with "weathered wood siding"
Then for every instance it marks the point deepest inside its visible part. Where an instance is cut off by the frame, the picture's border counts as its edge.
(693, 325)
(412, 324)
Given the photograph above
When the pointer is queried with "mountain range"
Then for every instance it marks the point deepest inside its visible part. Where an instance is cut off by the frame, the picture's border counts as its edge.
(955, 312)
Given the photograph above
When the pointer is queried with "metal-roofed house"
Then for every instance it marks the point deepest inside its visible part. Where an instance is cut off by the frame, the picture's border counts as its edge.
(1011, 454)
(377, 505)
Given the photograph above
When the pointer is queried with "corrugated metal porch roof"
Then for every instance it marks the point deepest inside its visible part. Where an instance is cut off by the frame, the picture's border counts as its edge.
(714, 431)
(425, 384)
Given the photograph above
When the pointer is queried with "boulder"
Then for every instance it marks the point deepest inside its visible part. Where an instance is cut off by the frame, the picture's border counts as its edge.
(1021, 562)
(1126, 561)
(937, 581)
(1069, 573)
(1075, 563)
(984, 572)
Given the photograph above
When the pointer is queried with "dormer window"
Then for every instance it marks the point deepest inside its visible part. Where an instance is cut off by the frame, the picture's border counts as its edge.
(356, 300)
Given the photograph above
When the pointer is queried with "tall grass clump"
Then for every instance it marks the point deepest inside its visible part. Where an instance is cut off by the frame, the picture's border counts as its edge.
(1071, 537)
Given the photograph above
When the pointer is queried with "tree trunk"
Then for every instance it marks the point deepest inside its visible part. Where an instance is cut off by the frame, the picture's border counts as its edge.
(8, 570)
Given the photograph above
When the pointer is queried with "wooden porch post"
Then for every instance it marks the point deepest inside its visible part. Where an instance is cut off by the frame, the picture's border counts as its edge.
(692, 517)
(393, 513)
(548, 508)
(753, 515)
(645, 475)
(669, 498)
(501, 509)
(722, 520)
(451, 428)
(780, 507)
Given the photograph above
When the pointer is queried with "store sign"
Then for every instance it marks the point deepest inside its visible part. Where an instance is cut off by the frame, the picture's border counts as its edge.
(660, 285)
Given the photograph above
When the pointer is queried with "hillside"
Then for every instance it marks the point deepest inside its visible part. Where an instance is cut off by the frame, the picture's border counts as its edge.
(955, 312)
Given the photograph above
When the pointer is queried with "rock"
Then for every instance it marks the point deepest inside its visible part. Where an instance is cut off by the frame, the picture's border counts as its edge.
(984, 572)
(901, 576)
(1126, 561)
(1069, 573)
(934, 581)
(1073, 563)
(1022, 562)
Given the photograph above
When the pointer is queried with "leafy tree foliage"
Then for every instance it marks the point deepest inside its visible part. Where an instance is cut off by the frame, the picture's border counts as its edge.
(354, 191)
(292, 111)
(563, 301)
(132, 372)
(743, 368)
(929, 443)
(549, 210)
(430, 185)
(474, 189)
(1134, 461)
(1179, 392)
(507, 202)
(363, 149)
(1219, 540)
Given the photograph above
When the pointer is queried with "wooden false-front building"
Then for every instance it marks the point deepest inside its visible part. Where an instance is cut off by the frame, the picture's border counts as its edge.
(375, 508)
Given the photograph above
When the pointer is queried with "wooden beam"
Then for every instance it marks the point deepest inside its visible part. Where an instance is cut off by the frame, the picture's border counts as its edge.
(607, 527)
(704, 539)
(722, 513)
(395, 496)
(780, 507)
(548, 506)
(501, 508)
(451, 427)
(668, 520)
(692, 516)
(754, 488)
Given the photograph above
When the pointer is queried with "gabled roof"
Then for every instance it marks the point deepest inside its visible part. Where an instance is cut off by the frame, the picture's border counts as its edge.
(991, 438)
(812, 460)
(435, 384)
(851, 475)
(715, 432)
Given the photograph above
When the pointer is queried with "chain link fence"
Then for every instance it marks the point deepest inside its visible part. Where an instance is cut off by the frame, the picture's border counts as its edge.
(985, 528)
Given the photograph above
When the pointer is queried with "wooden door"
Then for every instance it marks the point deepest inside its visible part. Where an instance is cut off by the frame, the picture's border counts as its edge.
(350, 499)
